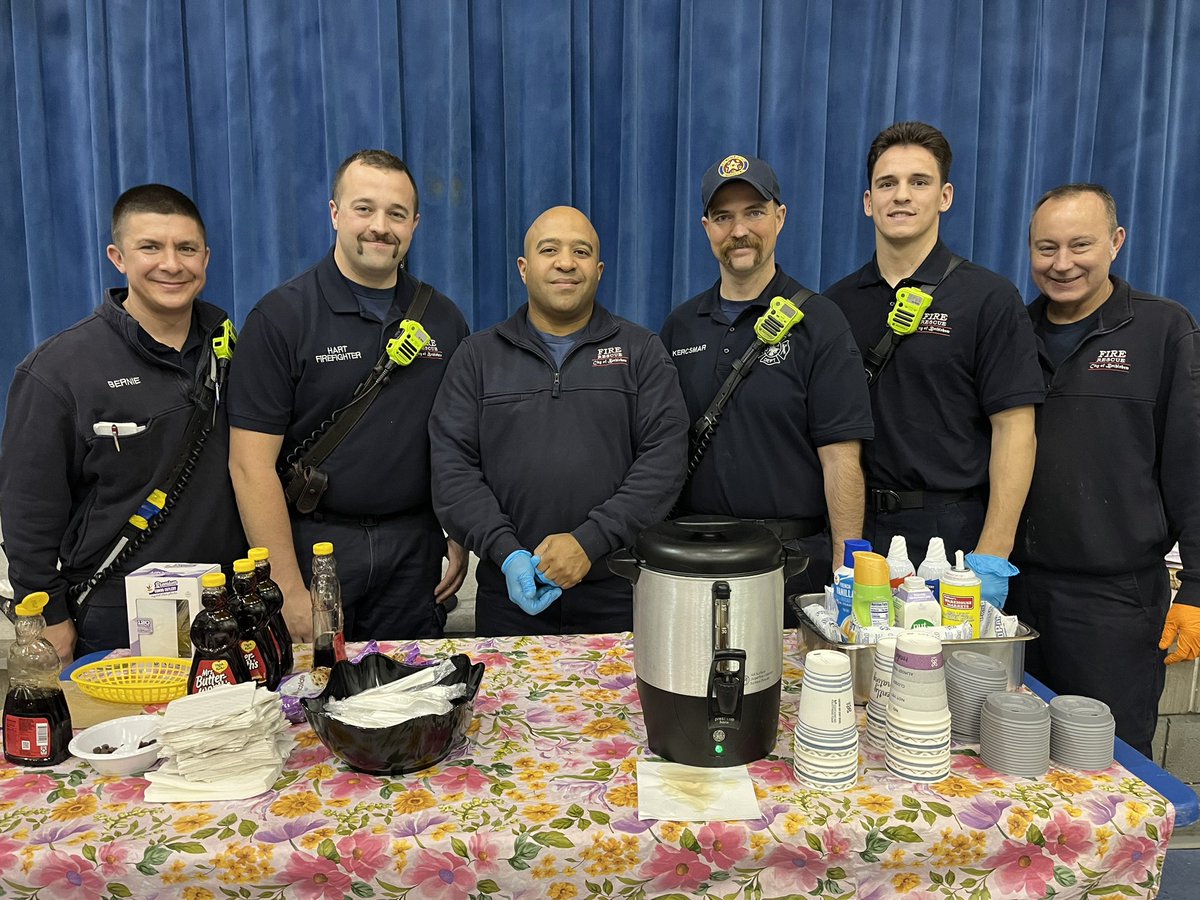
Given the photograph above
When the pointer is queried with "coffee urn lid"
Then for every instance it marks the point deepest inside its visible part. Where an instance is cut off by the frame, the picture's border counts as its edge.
(709, 545)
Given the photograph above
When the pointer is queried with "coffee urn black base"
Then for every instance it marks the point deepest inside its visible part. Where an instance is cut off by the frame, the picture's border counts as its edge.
(678, 728)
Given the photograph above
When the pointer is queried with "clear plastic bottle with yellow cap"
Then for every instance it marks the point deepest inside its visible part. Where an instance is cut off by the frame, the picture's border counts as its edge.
(37, 722)
(329, 642)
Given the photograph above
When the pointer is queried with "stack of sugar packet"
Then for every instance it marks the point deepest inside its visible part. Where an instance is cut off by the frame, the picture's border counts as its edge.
(227, 743)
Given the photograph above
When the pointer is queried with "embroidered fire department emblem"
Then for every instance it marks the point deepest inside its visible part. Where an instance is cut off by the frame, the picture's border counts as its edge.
(773, 356)
(1110, 361)
(732, 166)
(935, 323)
(610, 356)
(431, 350)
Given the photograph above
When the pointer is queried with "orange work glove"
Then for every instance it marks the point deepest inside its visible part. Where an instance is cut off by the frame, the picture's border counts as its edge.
(1183, 622)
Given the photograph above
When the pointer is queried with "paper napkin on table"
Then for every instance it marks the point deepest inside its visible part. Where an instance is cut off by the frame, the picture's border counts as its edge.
(679, 793)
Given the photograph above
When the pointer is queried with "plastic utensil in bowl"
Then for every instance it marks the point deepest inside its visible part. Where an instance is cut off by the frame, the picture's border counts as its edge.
(397, 749)
(126, 735)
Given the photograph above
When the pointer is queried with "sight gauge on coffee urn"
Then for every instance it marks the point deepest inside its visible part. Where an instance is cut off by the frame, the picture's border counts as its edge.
(708, 636)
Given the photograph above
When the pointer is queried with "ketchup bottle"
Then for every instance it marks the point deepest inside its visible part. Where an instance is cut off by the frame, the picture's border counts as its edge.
(218, 656)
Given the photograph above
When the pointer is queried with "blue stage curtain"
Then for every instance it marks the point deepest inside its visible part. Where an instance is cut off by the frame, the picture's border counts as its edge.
(505, 108)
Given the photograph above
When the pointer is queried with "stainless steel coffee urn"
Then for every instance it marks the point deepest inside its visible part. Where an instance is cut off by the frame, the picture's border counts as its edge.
(708, 636)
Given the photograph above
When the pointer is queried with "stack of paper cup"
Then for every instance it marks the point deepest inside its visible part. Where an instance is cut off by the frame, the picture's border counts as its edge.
(826, 736)
(970, 678)
(918, 719)
(1014, 734)
(881, 689)
(1082, 731)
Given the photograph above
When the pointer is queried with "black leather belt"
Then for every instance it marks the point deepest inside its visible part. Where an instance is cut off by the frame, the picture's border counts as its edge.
(365, 521)
(792, 529)
(882, 500)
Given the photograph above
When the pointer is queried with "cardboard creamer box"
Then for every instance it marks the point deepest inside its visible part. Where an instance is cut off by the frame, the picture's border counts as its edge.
(162, 599)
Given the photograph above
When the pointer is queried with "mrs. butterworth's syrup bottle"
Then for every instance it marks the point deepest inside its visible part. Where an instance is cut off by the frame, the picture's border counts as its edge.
(37, 723)
(281, 637)
(218, 654)
(251, 612)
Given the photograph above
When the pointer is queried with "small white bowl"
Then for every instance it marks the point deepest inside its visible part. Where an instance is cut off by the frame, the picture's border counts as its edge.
(124, 734)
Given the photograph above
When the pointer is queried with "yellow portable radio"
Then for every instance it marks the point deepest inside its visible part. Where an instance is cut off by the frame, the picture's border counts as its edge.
(773, 325)
(408, 343)
(907, 311)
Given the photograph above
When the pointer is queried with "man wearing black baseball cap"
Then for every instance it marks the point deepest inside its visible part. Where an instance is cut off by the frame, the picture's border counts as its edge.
(788, 447)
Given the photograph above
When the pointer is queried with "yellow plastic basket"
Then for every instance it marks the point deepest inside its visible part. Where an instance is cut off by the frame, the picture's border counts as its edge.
(134, 679)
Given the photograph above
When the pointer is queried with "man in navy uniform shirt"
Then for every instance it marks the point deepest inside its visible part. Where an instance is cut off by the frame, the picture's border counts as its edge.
(954, 405)
(98, 417)
(558, 435)
(1117, 480)
(788, 446)
(304, 349)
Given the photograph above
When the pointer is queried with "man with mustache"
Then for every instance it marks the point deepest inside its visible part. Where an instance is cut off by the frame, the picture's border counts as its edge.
(786, 452)
(953, 405)
(304, 350)
(558, 435)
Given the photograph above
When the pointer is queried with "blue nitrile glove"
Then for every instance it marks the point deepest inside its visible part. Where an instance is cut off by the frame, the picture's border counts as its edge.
(518, 569)
(541, 576)
(547, 591)
(993, 573)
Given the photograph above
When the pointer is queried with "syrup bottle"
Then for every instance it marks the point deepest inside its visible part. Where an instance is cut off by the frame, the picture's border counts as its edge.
(218, 658)
(37, 722)
(329, 642)
(281, 637)
(251, 614)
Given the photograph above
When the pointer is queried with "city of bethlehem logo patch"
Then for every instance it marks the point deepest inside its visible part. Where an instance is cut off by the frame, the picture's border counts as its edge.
(1110, 361)
(610, 356)
(935, 323)
(431, 350)
(732, 166)
(777, 353)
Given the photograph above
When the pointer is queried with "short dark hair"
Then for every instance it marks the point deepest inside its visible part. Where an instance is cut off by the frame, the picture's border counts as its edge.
(376, 159)
(1075, 189)
(154, 198)
(916, 133)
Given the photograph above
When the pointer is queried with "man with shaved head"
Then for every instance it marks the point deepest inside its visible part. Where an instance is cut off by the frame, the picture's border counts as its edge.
(556, 437)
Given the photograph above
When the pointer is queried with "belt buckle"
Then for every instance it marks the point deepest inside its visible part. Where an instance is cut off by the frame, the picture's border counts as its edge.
(885, 501)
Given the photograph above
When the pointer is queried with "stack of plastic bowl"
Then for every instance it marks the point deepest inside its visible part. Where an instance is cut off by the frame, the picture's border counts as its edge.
(918, 719)
(1082, 732)
(970, 678)
(826, 736)
(881, 689)
(1014, 734)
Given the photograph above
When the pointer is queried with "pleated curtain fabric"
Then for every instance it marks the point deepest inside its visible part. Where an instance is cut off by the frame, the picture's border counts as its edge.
(506, 107)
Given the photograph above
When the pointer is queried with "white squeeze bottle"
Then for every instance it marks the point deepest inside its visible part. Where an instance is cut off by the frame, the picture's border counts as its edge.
(899, 565)
(961, 595)
(899, 568)
(935, 565)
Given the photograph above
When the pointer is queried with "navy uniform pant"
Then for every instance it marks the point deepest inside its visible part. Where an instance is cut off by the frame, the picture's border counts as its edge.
(957, 523)
(591, 607)
(1099, 638)
(388, 568)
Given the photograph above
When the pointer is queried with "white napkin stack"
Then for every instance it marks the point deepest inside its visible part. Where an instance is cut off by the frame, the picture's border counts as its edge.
(418, 694)
(227, 743)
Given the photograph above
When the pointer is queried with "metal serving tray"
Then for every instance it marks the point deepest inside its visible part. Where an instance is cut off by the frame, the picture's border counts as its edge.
(1010, 651)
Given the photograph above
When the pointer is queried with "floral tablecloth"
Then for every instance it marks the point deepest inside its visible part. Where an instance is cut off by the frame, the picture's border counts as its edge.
(542, 802)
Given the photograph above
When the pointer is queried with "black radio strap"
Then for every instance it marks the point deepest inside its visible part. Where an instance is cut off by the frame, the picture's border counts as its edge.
(875, 359)
(304, 483)
(704, 427)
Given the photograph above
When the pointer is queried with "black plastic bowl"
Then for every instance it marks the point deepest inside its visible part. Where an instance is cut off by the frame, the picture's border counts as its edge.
(398, 749)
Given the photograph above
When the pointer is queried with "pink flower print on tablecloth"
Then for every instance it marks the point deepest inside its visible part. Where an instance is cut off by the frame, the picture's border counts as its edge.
(69, 876)
(674, 869)
(364, 855)
(791, 870)
(721, 845)
(351, 784)
(437, 875)
(33, 786)
(466, 779)
(486, 851)
(1067, 838)
(618, 748)
(315, 878)
(1022, 869)
(1132, 859)
(112, 858)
